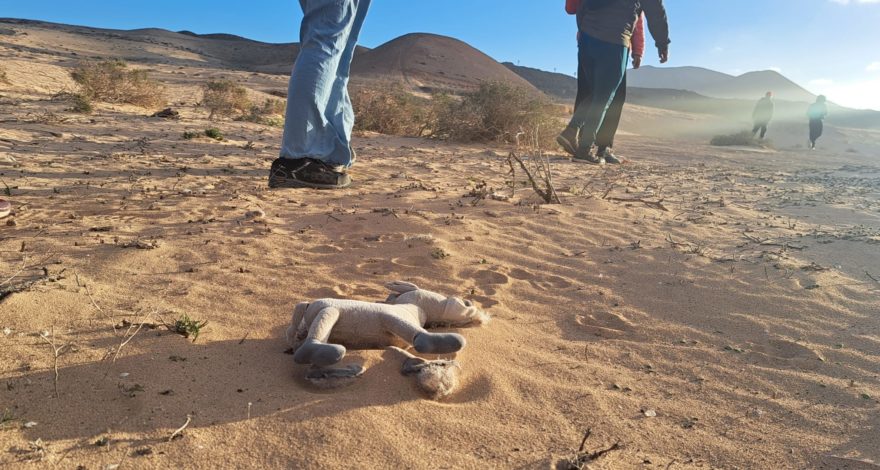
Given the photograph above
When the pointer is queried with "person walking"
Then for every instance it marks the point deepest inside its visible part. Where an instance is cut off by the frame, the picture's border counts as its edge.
(817, 112)
(608, 130)
(763, 114)
(606, 29)
(316, 147)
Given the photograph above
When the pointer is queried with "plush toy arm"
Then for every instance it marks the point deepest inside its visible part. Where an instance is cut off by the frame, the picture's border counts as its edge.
(423, 341)
(297, 330)
(397, 288)
(401, 287)
(315, 350)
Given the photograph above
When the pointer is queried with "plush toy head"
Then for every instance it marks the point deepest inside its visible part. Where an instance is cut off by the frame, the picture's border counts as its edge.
(440, 310)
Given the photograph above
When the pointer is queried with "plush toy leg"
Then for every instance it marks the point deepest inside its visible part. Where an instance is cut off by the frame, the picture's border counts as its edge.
(315, 350)
(437, 379)
(424, 341)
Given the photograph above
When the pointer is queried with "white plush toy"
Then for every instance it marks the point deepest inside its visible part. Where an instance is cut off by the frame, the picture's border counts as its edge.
(321, 331)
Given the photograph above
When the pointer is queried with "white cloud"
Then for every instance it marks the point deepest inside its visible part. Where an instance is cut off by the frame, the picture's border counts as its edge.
(873, 67)
(847, 2)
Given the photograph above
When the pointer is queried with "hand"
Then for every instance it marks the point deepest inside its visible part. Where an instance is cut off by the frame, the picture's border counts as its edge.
(637, 61)
(664, 55)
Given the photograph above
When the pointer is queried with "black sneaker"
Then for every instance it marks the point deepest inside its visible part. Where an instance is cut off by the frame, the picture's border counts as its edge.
(608, 155)
(587, 157)
(307, 173)
(568, 140)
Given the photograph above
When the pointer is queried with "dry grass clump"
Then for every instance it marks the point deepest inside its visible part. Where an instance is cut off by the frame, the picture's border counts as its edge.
(745, 138)
(270, 113)
(391, 110)
(3, 78)
(225, 98)
(113, 82)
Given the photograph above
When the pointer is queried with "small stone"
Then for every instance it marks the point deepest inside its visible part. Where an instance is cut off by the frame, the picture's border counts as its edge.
(124, 375)
(255, 214)
(30, 424)
(650, 413)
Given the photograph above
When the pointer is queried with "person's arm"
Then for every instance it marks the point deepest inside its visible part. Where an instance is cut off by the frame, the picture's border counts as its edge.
(638, 42)
(658, 24)
(571, 6)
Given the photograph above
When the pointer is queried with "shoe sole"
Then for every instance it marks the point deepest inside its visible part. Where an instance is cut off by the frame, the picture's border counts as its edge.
(296, 184)
(566, 145)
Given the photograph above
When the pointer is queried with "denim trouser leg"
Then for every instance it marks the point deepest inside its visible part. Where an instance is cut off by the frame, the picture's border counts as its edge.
(611, 122)
(319, 117)
(340, 112)
(603, 65)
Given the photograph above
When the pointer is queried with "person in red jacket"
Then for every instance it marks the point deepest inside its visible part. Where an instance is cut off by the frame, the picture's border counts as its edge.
(603, 26)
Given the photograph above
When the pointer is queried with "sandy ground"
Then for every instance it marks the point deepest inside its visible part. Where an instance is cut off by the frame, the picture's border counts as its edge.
(729, 322)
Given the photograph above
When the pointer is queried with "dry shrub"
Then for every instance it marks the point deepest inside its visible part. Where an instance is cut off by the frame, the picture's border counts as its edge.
(391, 110)
(741, 138)
(225, 98)
(270, 113)
(114, 82)
(496, 112)
(78, 102)
(3, 78)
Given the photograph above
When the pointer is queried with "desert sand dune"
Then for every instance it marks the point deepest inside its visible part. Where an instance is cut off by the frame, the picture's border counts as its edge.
(705, 307)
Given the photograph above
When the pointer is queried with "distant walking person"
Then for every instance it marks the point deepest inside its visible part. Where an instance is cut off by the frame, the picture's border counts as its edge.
(606, 29)
(763, 114)
(316, 147)
(817, 113)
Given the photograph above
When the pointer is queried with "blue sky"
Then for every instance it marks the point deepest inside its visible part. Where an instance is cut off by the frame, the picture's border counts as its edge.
(828, 46)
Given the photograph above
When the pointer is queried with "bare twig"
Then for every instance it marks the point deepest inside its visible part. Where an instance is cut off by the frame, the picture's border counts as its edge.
(180, 429)
(23, 286)
(56, 353)
(651, 204)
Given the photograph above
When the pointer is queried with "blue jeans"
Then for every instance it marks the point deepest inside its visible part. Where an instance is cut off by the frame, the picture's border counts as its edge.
(601, 67)
(319, 117)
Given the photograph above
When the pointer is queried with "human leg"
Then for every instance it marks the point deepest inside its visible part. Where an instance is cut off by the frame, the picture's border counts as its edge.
(606, 68)
(608, 130)
(325, 36)
(340, 112)
(568, 139)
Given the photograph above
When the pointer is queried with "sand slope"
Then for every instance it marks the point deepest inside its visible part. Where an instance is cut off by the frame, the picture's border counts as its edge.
(743, 318)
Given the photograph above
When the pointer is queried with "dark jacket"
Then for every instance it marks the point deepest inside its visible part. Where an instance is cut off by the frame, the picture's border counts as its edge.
(614, 21)
(763, 110)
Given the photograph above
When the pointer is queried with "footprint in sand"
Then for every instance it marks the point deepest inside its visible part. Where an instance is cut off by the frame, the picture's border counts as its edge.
(605, 323)
(785, 349)
(324, 249)
(377, 267)
(521, 274)
(544, 282)
(490, 277)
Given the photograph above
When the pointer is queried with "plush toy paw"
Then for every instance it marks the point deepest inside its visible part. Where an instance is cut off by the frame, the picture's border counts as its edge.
(437, 379)
(319, 354)
(336, 377)
(438, 343)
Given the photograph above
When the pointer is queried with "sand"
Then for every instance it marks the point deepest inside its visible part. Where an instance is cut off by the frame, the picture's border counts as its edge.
(731, 322)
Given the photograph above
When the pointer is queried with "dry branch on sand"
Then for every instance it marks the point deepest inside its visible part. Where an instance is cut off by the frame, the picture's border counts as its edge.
(582, 459)
(536, 167)
(57, 352)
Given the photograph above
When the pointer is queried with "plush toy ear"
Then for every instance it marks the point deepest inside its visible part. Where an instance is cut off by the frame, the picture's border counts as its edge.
(401, 287)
